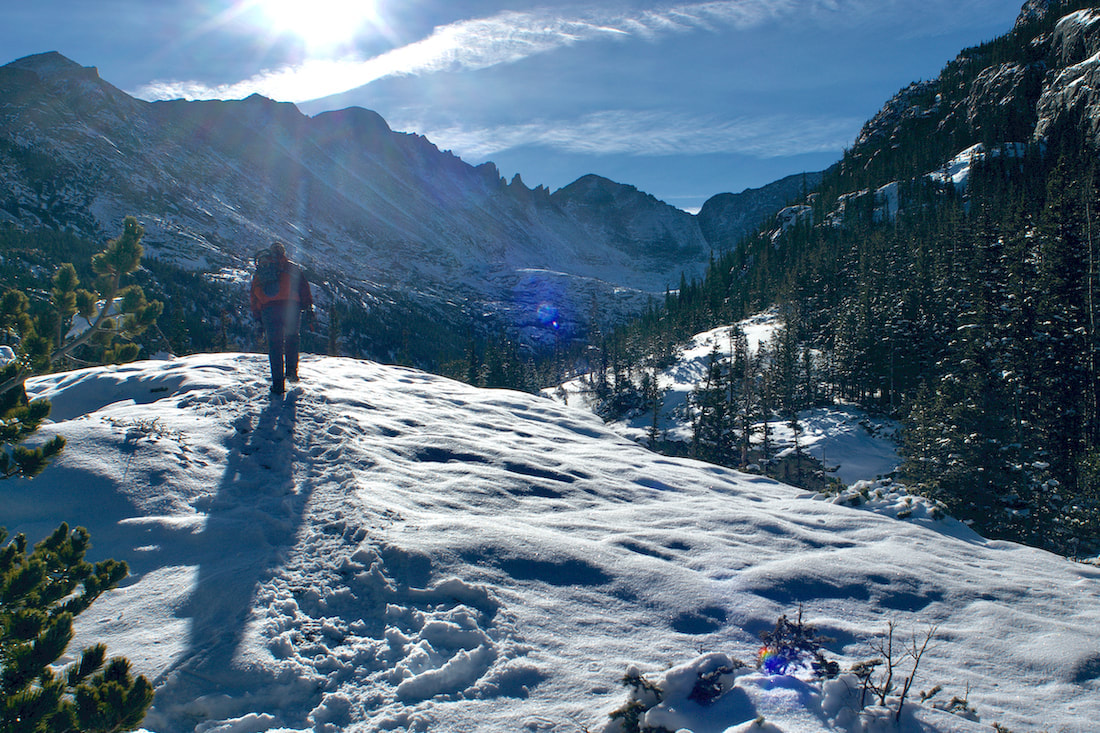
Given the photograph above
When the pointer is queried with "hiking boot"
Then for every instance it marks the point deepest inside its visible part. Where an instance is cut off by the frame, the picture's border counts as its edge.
(277, 388)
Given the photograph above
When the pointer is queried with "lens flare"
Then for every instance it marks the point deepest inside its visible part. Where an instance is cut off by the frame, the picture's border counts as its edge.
(549, 316)
(772, 661)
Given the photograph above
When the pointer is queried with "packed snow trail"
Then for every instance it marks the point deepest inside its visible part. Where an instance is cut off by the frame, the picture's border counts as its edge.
(264, 502)
(383, 549)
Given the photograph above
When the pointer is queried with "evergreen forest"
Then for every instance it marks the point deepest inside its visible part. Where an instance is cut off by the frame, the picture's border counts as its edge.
(970, 314)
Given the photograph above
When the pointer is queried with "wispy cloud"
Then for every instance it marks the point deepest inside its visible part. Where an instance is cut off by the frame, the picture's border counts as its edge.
(480, 43)
(633, 132)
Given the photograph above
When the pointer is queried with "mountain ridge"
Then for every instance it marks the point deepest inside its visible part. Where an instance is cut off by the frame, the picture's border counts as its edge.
(378, 211)
(1010, 89)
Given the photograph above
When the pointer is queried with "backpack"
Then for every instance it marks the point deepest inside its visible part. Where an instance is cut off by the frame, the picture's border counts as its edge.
(268, 270)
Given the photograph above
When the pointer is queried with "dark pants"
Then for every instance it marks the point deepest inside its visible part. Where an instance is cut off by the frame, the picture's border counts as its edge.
(281, 323)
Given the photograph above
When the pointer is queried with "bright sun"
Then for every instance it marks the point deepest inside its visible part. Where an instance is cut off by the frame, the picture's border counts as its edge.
(319, 23)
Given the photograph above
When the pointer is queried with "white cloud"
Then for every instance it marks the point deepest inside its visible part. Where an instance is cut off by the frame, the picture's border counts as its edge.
(483, 42)
(633, 132)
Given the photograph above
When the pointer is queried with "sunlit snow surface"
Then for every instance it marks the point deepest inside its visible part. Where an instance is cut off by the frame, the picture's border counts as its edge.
(384, 549)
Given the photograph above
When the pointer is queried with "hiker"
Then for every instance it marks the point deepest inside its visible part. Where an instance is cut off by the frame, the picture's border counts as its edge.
(280, 292)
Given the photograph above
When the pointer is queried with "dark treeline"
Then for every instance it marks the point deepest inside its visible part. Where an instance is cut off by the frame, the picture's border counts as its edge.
(970, 315)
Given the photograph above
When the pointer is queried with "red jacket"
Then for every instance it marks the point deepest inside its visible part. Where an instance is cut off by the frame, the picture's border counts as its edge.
(293, 287)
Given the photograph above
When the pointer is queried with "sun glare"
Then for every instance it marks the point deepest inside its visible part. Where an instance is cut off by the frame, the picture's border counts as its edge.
(319, 23)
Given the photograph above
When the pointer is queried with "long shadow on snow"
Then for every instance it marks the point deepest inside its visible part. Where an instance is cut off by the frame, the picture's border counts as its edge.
(251, 525)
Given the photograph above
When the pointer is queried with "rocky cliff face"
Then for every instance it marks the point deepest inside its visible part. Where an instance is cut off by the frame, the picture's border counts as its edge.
(1073, 83)
(1010, 90)
(1034, 11)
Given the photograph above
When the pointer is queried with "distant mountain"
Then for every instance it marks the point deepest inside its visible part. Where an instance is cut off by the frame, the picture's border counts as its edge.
(728, 217)
(633, 222)
(375, 214)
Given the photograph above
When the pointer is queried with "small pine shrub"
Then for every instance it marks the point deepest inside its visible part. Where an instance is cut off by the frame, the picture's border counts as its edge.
(643, 696)
(790, 645)
(41, 591)
(708, 687)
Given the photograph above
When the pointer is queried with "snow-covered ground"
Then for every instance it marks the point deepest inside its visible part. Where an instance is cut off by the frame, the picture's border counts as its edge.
(851, 443)
(957, 170)
(384, 549)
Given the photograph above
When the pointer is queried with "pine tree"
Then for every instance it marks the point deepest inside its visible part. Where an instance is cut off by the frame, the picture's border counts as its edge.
(743, 393)
(19, 419)
(114, 314)
(332, 346)
(766, 397)
(40, 594)
(119, 313)
(1063, 318)
(712, 437)
(653, 396)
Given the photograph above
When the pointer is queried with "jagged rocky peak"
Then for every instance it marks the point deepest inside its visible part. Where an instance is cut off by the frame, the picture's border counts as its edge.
(1033, 11)
(1038, 11)
(51, 64)
(520, 192)
(919, 99)
(56, 72)
(56, 86)
(1042, 14)
(490, 174)
(594, 190)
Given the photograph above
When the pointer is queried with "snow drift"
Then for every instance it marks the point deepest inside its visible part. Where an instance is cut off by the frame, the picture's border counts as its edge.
(384, 549)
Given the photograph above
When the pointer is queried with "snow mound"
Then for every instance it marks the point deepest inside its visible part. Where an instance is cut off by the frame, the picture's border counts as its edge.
(888, 498)
(760, 700)
(383, 549)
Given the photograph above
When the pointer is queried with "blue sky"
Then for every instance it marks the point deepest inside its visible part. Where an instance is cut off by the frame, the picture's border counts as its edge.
(682, 99)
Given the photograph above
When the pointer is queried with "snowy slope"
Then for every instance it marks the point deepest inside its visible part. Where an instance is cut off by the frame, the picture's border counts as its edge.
(388, 550)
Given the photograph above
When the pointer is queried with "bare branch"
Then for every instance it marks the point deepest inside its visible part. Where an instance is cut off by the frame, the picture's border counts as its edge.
(915, 653)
